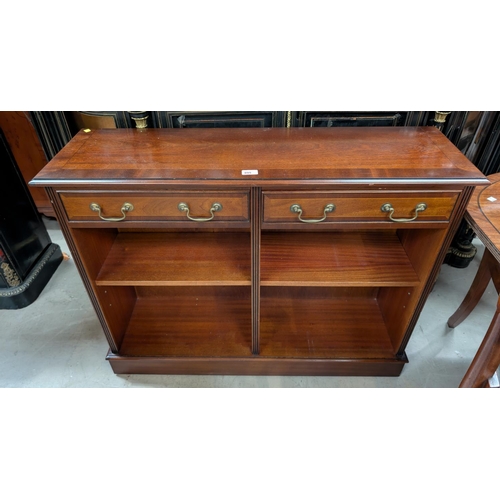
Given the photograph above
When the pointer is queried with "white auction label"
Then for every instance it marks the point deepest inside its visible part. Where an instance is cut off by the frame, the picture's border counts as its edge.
(491, 198)
(249, 172)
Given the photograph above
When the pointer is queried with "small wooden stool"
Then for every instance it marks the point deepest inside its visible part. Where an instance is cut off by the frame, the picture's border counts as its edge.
(483, 215)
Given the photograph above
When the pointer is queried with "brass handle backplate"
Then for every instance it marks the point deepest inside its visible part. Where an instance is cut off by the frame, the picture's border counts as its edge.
(216, 207)
(387, 207)
(126, 207)
(297, 209)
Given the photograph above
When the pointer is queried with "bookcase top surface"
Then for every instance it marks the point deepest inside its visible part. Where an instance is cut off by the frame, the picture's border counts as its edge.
(252, 156)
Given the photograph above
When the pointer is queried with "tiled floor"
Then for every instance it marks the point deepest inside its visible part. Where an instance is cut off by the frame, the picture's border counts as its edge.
(57, 341)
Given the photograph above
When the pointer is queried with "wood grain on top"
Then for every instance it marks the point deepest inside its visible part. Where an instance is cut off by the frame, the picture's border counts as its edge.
(279, 154)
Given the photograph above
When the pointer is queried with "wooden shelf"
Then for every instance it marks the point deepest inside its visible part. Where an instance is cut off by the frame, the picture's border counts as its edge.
(362, 258)
(190, 321)
(323, 323)
(177, 259)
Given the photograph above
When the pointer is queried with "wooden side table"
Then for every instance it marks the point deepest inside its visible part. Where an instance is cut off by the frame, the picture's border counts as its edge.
(483, 215)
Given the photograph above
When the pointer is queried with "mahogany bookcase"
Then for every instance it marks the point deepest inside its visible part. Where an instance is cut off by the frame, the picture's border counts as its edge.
(259, 251)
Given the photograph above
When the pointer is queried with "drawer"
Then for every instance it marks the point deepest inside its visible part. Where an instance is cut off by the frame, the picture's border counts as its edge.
(357, 206)
(156, 206)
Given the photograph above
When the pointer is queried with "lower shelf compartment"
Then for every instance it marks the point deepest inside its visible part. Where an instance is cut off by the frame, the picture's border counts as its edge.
(189, 322)
(304, 331)
(311, 322)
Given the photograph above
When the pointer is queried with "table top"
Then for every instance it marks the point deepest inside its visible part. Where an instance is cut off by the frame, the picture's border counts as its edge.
(410, 155)
(483, 214)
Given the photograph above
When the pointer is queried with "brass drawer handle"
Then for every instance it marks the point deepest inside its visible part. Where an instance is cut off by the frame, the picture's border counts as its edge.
(387, 207)
(126, 207)
(216, 207)
(297, 209)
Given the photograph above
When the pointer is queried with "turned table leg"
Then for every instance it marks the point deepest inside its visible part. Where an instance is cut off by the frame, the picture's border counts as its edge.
(487, 358)
(476, 290)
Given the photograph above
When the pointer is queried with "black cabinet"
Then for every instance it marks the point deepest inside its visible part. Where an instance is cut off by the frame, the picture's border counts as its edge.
(220, 119)
(359, 118)
(28, 258)
(172, 119)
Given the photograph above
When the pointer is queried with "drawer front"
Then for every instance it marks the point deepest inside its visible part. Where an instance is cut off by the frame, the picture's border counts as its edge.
(358, 206)
(159, 206)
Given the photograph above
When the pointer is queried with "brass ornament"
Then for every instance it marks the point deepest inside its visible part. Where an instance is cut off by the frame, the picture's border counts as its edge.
(440, 116)
(20, 288)
(141, 122)
(10, 275)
